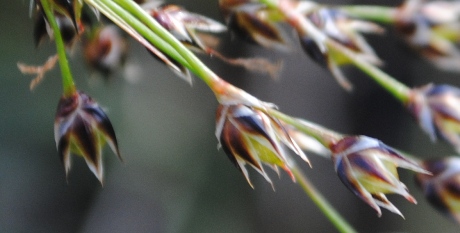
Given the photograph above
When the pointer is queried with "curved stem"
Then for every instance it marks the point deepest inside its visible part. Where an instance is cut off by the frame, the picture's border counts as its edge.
(67, 80)
(327, 209)
(381, 14)
(393, 86)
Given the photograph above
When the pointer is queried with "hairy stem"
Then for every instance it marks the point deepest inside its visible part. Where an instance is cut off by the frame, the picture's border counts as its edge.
(67, 80)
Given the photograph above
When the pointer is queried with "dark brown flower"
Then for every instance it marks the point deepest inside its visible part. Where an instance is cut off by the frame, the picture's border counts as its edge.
(82, 128)
(250, 136)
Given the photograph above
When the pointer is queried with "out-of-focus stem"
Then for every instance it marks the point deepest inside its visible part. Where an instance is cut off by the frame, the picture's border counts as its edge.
(67, 80)
(381, 14)
(327, 209)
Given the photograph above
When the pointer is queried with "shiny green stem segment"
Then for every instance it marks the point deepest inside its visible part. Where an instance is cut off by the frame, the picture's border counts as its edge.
(329, 211)
(323, 135)
(381, 14)
(67, 80)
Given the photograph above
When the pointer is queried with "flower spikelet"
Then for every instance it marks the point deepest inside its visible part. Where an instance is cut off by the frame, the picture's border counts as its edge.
(442, 189)
(437, 109)
(432, 28)
(339, 27)
(82, 128)
(368, 168)
(250, 136)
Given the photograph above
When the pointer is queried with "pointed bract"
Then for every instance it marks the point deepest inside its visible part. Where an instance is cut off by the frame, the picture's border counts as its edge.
(437, 110)
(368, 168)
(250, 136)
(344, 30)
(82, 128)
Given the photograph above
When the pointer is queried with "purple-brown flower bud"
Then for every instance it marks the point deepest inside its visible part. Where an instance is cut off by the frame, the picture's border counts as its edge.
(368, 168)
(82, 128)
(442, 189)
(432, 28)
(437, 110)
(251, 21)
(106, 50)
(250, 136)
(337, 26)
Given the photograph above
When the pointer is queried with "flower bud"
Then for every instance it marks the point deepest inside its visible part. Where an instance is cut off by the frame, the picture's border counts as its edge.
(437, 110)
(337, 26)
(82, 128)
(432, 28)
(251, 21)
(442, 189)
(250, 136)
(368, 168)
(106, 50)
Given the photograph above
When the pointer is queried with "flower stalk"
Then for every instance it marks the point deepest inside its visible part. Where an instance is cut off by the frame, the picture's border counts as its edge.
(329, 211)
(67, 80)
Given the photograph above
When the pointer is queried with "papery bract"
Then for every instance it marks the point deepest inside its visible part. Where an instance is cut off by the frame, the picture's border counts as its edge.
(437, 110)
(368, 168)
(250, 136)
(82, 128)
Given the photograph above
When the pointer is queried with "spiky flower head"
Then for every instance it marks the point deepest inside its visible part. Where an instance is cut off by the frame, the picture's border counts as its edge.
(437, 110)
(253, 22)
(368, 168)
(82, 128)
(339, 27)
(183, 24)
(442, 189)
(250, 136)
(432, 28)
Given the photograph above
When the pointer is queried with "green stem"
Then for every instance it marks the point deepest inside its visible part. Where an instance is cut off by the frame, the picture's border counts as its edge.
(393, 86)
(194, 64)
(67, 80)
(381, 14)
(329, 211)
(325, 136)
(134, 27)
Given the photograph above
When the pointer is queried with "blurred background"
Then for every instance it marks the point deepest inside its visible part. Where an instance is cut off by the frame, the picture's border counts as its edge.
(174, 179)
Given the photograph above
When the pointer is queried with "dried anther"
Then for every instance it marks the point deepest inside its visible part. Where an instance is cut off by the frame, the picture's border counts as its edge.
(442, 189)
(437, 110)
(368, 168)
(82, 128)
(251, 21)
(339, 27)
(40, 71)
(250, 136)
(432, 28)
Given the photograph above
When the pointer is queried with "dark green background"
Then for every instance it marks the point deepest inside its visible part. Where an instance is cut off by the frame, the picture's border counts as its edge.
(174, 179)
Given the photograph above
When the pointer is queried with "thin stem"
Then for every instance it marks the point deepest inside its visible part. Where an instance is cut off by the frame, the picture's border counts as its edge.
(393, 86)
(325, 136)
(67, 80)
(381, 14)
(327, 209)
